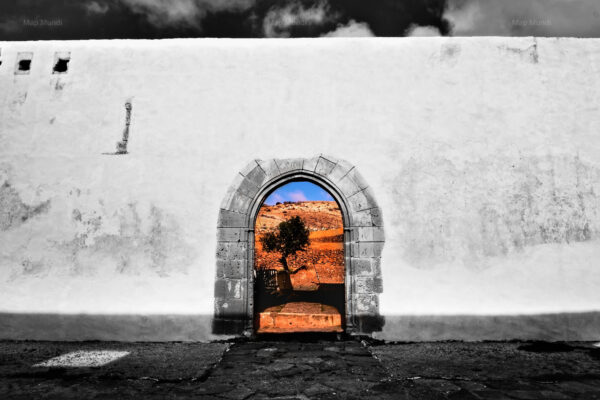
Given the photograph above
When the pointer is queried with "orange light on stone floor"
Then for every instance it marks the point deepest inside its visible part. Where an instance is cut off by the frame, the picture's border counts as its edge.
(300, 317)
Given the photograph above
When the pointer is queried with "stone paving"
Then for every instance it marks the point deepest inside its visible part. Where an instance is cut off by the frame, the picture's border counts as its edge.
(306, 367)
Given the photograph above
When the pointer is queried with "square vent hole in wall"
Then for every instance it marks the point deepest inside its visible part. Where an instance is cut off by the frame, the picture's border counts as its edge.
(23, 65)
(61, 62)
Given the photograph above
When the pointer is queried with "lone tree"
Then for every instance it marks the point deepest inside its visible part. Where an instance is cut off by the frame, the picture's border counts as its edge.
(291, 237)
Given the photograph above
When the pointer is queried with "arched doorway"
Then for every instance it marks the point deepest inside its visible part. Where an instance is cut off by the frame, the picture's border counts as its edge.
(299, 266)
(363, 239)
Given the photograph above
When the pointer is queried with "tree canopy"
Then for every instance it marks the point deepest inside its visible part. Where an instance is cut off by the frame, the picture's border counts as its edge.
(291, 236)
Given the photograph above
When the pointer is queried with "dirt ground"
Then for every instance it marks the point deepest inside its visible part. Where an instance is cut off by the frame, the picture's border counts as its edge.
(306, 367)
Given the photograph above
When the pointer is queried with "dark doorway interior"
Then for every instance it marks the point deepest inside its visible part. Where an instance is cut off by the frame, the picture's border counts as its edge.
(299, 261)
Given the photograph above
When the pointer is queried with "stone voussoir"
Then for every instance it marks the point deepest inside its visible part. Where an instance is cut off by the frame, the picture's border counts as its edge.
(339, 171)
(324, 166)
(256, 175)
(289, 164)
(310, 164)
(270, 168)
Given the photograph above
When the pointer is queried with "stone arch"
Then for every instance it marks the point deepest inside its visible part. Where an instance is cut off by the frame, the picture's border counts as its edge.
(363, 239)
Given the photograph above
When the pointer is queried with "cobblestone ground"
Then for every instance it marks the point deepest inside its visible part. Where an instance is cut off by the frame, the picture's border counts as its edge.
(307, 368)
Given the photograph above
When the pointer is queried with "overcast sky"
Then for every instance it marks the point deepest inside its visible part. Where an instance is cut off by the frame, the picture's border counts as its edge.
(90, 19)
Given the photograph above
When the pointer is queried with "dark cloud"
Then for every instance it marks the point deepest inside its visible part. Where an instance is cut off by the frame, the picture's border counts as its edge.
(579, 18)
(113, 19)
(96, 19)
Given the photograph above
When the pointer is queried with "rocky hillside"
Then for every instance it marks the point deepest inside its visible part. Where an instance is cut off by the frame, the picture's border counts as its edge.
(323, 259)
(317, 215)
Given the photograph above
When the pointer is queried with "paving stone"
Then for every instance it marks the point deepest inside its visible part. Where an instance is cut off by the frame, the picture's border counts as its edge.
(317, 389)
(302, 369)
(239, 393)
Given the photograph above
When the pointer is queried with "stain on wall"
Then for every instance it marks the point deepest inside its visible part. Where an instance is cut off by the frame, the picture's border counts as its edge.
(92, 237)
(493, 207)
(13, 211)
(130, 241)
(529, 54)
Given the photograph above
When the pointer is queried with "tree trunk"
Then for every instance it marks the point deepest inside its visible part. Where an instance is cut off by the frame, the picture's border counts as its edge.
(283, 261)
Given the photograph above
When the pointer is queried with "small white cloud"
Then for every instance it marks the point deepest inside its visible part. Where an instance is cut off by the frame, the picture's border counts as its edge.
(93, 7)
(274, 198)
(279, 21)
(352, 29)
(422, 31)
(79, 359)
(298, 195)
(162, 13)
(326, 196)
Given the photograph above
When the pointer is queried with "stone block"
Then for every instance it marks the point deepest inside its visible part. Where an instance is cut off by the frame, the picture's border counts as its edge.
(367, 218)
(358, 202)
(289, 164)
(348, 186)
(251, 166)
(232, 250)
(366, 303)
(378, 284)
(357, 178)
(270, 168)
(370, 234)
(329, 157)
(376, 267)
(229, 218)
(366, 249)
(340, 170)
(238, 203)
(231, 234)
(324, 166)
(362, 266)
(232, 308)
(368, 192)
(228, 289)
(310, 164)
(362, 219)
(231, 269)
(367, 285)
(229, 326)
(376, 217)
(248, 188)
(237, 181)
(256, 176)
(368, 323)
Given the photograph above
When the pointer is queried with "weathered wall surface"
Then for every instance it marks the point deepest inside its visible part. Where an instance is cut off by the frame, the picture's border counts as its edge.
(483, 154)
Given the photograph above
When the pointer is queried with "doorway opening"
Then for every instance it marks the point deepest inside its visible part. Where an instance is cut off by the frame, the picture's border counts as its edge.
(363, 242)
(299, 264)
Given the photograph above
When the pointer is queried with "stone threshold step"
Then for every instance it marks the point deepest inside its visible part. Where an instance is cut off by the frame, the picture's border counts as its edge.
(300, 317)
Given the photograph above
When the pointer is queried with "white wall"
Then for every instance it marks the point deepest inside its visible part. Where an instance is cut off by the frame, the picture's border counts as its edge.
(483, 154)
